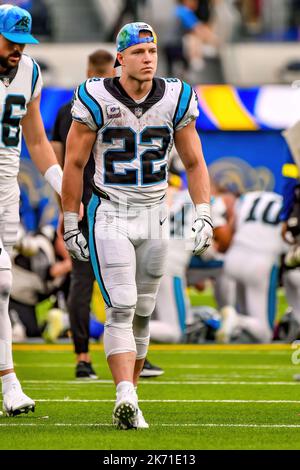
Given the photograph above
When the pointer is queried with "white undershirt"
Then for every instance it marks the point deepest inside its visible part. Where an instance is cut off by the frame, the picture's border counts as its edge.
(141, 100)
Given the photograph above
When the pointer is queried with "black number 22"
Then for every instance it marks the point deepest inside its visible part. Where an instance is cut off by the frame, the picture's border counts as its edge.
(128, 153)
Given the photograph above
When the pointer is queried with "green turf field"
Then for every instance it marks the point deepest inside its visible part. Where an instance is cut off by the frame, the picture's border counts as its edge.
(209, 398)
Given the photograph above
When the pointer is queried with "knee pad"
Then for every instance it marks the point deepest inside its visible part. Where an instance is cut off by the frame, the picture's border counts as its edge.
(118, 332)
(119, 316)
(145, 305)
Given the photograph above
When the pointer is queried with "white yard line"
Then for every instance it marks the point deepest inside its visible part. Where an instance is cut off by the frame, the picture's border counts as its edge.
(199, 425)
(180, 366)
(158, 382)
(79, 400)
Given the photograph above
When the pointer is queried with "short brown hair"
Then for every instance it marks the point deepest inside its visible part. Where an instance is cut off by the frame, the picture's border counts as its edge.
(99, 60)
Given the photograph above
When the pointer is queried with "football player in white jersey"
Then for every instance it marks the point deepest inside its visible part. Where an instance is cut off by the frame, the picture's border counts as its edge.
(172, 310)
(20, 88)
(252, 261)
(130, 124)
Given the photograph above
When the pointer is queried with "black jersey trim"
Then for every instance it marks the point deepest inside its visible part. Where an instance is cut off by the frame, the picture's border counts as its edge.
(113, 86)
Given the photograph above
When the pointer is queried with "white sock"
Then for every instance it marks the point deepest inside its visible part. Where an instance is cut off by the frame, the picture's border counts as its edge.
(124, 385)
(8, 380)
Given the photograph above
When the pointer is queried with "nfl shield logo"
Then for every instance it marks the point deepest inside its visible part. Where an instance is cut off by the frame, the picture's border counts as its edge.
(113, 111)
(138, 112)
(6, 81)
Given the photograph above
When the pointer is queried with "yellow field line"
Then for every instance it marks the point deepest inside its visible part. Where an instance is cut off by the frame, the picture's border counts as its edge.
(163, 347)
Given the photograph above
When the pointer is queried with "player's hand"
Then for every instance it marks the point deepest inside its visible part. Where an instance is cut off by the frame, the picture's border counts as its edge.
(202, 230)
(77, 245)
(75, 242)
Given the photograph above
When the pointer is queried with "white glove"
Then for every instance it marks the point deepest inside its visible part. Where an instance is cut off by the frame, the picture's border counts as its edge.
(75, 242)
(202, 230)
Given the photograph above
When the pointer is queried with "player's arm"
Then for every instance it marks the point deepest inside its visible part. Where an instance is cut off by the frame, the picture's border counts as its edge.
(79, 146)
(80, 142)
(59, 151)
(189, 148)
(39, 147)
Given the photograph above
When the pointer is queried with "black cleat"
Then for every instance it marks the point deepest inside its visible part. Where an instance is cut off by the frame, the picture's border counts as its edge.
(20, 411)
(84, 370)
(149, 370)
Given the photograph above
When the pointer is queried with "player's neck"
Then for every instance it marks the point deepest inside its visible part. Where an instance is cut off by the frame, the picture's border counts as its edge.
(135, 88)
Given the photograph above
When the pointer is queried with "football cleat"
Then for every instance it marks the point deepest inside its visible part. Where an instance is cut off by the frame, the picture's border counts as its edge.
(126, 410)
(15, 402)
(140, 421)
(228, 325)
(84, 370)
(149, 370)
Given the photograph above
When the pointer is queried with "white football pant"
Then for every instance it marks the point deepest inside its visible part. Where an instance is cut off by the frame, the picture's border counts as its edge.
(9, 221)
(256, 275)
(128, 250)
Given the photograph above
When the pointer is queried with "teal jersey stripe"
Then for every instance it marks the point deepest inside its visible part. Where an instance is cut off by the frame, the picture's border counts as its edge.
(183, 102)
(92, 209)
(35, 76)
(91, 104)
(272, 301)
(180, 302)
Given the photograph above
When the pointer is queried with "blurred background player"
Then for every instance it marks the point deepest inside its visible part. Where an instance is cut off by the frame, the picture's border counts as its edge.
(100, 64)
(21, 85)
(290, 218)
(252, 261)
(128, 224)
(173, 319)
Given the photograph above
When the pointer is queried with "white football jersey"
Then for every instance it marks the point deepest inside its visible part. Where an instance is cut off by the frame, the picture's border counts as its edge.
(133, 139)
(16, 91)
(257, 224)
(182, 213)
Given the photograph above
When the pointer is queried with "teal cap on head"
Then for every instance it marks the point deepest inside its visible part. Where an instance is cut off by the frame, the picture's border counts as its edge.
(15, 24)
(129, 36)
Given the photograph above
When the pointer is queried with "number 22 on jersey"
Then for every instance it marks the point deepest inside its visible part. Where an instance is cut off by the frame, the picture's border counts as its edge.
(127, 153)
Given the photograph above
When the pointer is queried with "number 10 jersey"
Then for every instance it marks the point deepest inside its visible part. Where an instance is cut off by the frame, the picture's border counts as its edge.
(133, 139)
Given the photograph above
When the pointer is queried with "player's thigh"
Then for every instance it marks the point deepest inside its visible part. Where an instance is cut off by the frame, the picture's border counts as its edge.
(114, 267)
(151, 257)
